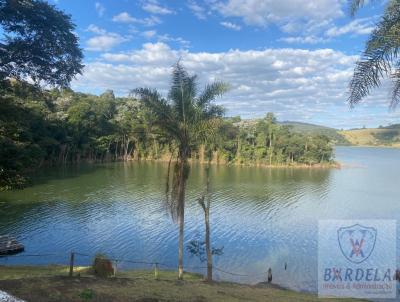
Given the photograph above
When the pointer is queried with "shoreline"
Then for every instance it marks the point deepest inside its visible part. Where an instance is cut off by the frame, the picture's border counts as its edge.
(51, 283)
(332, 165)
(372, 146)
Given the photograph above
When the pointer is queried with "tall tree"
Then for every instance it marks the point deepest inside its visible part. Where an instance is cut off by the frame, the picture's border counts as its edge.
(380, 57)
(187, 118)
(38, 43)
(271, 121)
(205, 203)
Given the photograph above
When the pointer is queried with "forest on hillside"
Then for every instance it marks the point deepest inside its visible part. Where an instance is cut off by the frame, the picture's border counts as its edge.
(53, 127)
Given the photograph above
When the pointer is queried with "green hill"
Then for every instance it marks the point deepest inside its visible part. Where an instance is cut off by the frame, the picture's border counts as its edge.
(311, 129)
(384, 136)
(300, 127)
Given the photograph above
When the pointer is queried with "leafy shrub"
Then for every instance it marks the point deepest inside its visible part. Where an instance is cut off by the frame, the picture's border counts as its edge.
(102, 266)
(87, 294)
(198, 249)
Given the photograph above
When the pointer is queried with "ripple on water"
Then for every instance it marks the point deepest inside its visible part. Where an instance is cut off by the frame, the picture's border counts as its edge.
(263, 217)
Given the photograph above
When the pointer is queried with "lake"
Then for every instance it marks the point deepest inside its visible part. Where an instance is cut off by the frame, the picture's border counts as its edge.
(262, 217)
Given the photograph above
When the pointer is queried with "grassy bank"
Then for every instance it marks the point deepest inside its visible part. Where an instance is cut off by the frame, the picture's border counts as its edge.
(51, 283)
(373, 137)
(324, 165)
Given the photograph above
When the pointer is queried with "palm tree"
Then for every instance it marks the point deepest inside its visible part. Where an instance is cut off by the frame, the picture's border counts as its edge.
(380, 57)
(186, 118)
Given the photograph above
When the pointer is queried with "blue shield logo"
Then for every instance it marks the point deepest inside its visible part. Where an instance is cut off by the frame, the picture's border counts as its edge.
(357, 242)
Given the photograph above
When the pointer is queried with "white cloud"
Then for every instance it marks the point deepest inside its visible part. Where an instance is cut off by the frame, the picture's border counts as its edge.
(103, 40)
(264, 12)
(304, 40)
(150, 21)
(96, 30)
(362, 26)
(149, 34)
(125, 17)
(231, 25)
(322, 32)
(153, 7)
(297, 84)
(100, 9)
(167, 38)
(197, 9)
(151, 53)
(152, 34)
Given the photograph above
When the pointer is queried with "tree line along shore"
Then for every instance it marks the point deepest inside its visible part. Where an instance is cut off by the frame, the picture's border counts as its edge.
(51, 127)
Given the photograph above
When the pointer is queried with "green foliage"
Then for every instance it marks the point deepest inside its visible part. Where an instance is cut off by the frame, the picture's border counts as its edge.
(38, 43)
(312, 129)
(102, 266)
(61, 126)
(355, 6)
(56, 127)
(186, 118)
(387, 136)
(380, 56)
(197, 248)
(87, 294)
(267, 142)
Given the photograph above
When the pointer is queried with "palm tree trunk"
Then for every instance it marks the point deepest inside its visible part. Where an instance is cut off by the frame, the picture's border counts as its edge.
(180, 244)
(208, 244)
(181, 214)
(206, 208)
(201, 153)
(270, 148)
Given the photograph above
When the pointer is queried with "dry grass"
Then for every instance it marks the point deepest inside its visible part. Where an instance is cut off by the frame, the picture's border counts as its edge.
(47, 284)
(372, 137)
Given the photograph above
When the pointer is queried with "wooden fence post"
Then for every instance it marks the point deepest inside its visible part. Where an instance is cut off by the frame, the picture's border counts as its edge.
(269, 280)
(156, 271)
(71, 264)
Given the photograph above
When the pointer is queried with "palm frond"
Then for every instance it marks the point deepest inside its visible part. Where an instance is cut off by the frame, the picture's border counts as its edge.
(377, 59)
(182, 92)
(176, 92)
(179, 76)
(206, 131)
(355, 5)
(189, 95)
(159, 107)
(214, 111)
(211, 91)
(188, 121)
(151, 98)
(395, 99)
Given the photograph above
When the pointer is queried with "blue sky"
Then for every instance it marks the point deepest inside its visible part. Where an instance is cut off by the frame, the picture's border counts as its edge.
(291, 57)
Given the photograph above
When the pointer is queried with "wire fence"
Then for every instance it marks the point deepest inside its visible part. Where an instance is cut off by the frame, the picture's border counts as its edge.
(71, 262)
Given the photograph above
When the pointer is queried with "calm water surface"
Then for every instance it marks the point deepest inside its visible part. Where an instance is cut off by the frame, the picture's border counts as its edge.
(262, 217)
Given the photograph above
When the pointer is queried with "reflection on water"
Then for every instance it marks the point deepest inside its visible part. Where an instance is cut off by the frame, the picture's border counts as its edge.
(263, 217)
